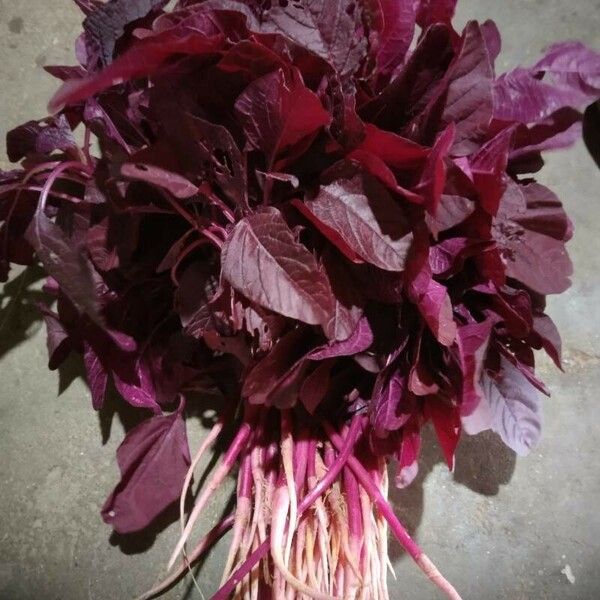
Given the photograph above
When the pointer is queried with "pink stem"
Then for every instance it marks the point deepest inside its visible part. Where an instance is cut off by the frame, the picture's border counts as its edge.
(322, 486)
(237, 446)
(397, 528)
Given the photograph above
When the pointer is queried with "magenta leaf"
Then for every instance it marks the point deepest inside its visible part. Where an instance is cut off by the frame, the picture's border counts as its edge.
(515, 407)
(142, 59)
(472, 341)
(569, 75)
(435, 11)
(389, 408)
(106, 23)
(399, 25)
(446, 421)
(262, 260)
(430, 297)
(58, 339)
(531, 239)
(315, 386)
(216, 147)
(367, 219)
(488, 167)
(408, 455)
(324, 27)
(545, 328)
(469, 102)
(153, 460)
(96, 375)
(392, 149)
(64, 257)
(39, 137)
(278, 112)
(174, 183)
(277, 374)
(359, 341)
(433, 178)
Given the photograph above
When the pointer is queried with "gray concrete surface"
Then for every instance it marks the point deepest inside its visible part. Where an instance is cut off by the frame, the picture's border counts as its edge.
(499, 528)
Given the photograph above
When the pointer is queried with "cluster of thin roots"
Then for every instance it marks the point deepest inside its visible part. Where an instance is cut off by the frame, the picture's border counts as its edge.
(311, 519)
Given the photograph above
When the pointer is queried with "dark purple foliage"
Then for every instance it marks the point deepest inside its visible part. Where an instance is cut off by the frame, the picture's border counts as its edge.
(292, 205)
(153, 460)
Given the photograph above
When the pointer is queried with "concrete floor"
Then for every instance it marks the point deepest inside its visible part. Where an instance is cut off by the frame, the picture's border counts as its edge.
(499, 528)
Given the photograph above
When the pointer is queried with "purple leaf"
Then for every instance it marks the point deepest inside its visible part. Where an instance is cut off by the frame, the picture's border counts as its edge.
(569, 75)
(407, 95)
(515, 407)
(153, 459)
(531, 239)
(545, 328)
(278, 112)
(435, 11)
(367, 219)
(560, 130)
(492, 38)
(106, 24)
(358, 342)
(58, 340)
(433, 178)
(452, 210)
(408, 455)
(472, 343)
(488, 166)
(387, 404)
(96, 374)
(315, 386)
(39, 137)
(280, 368)
(64, 257)
(142, 59)
(394, 150)
(324, 27)
(175, 184)
(429, 296)
(348, 301)
(446, 421)
(399, 26)
(469, 102)
(215, 146)
(262, 260)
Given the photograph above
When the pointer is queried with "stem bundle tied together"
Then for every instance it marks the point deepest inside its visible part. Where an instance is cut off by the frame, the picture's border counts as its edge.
(310, 520)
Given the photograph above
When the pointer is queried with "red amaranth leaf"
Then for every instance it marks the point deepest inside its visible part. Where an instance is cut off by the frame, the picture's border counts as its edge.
(545, 328)
(569, 75)
(278, 112)
(472, 341)
(435, 11)
(262, 260)
(359, 341)
(469, 102)
(399, 26)
(446, 421)
(367, 219)
(324, 27)
(515, 408)
(531, 238)
(153, 460)
(106, 23)
(433, 178)
(394, 150)
(142, 59)
(64, 257)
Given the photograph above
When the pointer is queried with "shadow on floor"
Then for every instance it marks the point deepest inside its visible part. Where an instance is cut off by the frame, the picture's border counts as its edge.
(18, 310)
(483, 464)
